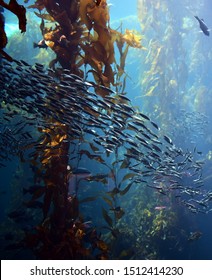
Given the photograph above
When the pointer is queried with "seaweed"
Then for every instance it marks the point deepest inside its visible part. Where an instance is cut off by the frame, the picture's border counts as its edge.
(81, 35)
(20, 12)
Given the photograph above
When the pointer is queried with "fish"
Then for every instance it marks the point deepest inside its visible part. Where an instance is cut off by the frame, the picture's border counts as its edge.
(144, 116)
(102, 125)
(194, 236)
(156, 148)
(155, 125)
(160, 208)
(203, 26)
(168, 140)
(41, 44)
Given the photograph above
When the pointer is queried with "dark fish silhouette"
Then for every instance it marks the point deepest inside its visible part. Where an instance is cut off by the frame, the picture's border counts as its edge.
(203, 26)
(194, 235)
(41, 44)
(145, 152)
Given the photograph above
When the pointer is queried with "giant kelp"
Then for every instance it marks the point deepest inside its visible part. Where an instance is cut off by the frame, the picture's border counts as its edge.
(74, 46)
(20, 12)
(174, 63)
(125, 144)
(80, 121)
(175, 77)
(82, 36)
(164, 78)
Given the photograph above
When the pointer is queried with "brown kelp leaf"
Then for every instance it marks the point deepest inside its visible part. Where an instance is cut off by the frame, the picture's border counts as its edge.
(132, 38)
(108, 201)
(83, 10)
(96, 76)
(126, 253)
(79, 233)
(128, 176)
(125, 164)
(94, 148)
(45, 16)
(115, 232)
(39, 4)
(109, 73)
(126, 189)
(99, 14)
(90, 156)
(123, 58)
(107, 217)
(99, 159)
(3, 35)
(124, 84)
(46, 160)
(5, 55)
(102, 245)
(119, 213)
(114, 192)
(102, 178)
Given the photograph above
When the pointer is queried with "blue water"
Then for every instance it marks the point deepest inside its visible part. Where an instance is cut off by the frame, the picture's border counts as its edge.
(176, 62)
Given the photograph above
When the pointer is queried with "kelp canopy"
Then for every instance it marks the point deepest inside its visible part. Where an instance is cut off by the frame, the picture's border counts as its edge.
(80, 35)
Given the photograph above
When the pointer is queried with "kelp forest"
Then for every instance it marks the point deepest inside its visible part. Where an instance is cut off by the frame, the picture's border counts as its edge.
(94, 177)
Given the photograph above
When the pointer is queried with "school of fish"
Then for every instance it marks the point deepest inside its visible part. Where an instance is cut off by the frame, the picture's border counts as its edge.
(30, 95)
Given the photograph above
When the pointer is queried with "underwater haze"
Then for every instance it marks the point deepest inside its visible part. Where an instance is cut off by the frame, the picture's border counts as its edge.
(105, 130)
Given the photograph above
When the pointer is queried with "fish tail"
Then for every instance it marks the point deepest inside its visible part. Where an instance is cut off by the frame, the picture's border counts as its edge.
(35, 45)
